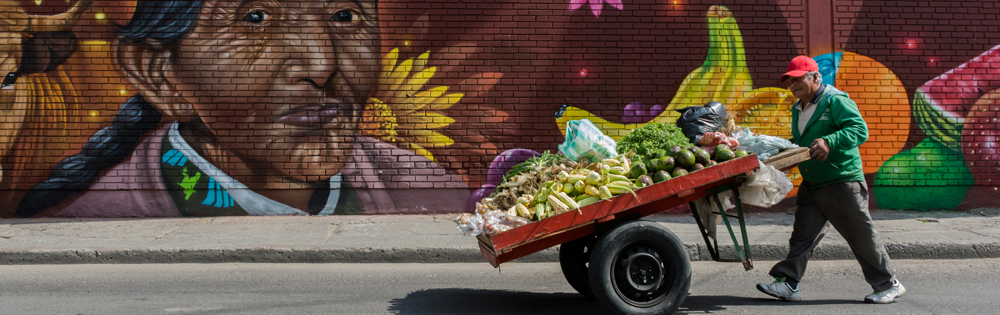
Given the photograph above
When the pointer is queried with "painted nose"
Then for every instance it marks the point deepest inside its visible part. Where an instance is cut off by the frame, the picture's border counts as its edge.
(312, 58)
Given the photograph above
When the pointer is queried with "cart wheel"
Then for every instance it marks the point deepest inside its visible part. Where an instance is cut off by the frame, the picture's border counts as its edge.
(640, 267)
(573, 258)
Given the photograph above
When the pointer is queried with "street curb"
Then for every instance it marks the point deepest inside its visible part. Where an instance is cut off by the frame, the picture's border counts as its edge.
(699, 252)
(774, 252)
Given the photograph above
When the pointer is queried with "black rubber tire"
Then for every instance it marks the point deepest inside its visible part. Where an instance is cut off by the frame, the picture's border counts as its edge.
(574, 256)
(640, 267)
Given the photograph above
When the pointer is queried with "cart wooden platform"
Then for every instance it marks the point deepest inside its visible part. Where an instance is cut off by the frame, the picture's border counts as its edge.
(633, 266)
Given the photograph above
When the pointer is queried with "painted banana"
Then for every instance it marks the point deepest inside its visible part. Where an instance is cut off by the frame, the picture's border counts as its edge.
(723, 77)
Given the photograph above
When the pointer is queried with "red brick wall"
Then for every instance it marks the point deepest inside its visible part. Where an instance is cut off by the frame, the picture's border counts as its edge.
(515, 63)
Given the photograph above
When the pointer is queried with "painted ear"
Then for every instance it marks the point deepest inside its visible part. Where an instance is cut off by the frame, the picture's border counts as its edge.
(145, 67)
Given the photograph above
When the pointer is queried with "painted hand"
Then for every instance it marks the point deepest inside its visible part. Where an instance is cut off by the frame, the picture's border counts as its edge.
(819, 149)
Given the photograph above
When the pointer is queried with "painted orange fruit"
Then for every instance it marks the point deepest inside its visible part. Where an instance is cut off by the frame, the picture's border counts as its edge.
(883, 103)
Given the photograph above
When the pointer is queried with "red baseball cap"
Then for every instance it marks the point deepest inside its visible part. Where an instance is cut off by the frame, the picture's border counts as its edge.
(799, 67)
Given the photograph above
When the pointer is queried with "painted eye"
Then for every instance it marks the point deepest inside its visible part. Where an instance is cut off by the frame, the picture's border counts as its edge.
(346, 16)
(256, 16)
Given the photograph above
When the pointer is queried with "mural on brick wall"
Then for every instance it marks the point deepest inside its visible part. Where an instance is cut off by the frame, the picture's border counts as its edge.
(258, 108)
(299, 107)
(36, 96)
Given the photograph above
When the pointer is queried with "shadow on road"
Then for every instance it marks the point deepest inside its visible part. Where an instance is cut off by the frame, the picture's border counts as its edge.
(474, 301)
(715, 303)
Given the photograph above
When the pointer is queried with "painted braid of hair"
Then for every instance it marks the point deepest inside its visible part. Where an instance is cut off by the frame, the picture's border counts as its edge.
(104, 149)
(163, 21)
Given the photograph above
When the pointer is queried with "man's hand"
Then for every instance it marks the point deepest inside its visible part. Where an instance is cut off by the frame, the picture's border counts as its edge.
(819, 149)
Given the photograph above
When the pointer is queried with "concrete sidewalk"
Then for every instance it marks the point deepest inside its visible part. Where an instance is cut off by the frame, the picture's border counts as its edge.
(433, 239)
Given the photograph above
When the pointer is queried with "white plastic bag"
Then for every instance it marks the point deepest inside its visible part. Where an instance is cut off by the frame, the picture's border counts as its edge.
(585, 141)
(763, 145)
(470, 223)
(766, 187)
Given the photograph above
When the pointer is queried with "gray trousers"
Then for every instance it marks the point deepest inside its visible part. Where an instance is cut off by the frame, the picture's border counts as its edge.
(845, 206)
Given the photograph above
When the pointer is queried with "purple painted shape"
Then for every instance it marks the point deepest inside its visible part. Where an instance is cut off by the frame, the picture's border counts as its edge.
(500, 166)
(478, 195)
(636, 113)
(506, 161)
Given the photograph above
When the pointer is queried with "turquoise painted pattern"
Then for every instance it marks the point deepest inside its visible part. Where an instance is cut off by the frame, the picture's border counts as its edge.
(180, 172)
(217, 196)
(174, 158)
(829, 64)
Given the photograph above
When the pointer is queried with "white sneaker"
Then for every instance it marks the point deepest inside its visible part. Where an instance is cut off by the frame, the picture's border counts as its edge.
(780, 289)
(887, 296)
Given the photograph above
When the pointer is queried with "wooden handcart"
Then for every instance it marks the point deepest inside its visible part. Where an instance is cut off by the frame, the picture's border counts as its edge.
(633, 266)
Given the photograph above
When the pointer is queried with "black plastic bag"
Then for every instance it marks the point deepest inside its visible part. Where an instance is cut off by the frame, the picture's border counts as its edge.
(695, 121)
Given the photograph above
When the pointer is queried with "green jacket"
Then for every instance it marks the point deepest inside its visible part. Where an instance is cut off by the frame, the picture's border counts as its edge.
(838, 121)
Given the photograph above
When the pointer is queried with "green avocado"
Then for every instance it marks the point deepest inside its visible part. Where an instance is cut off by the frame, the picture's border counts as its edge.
(638, 169)
(679, 171)
(666, 163)
(702, 156)
(660, 153)
(724, 155)
(721, 147)
(685, 159)
(661, 176)
(654, 166)
(674, 150)
(645, 181)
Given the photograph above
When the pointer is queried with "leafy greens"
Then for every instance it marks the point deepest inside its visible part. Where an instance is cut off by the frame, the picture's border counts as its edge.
(648, 139)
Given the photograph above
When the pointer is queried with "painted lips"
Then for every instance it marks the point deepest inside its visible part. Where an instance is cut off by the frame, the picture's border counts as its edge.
(312, 116)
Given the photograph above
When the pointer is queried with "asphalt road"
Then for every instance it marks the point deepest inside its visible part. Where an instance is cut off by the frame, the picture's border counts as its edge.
(831, 287)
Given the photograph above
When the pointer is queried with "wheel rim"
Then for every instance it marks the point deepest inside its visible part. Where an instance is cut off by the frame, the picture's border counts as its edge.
(585, 256)
(640, 275)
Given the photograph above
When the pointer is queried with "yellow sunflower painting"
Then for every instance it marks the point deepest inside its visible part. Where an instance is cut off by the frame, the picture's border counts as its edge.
(403, 112)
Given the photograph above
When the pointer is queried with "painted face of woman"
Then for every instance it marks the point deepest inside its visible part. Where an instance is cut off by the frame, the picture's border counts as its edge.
(280, 84)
